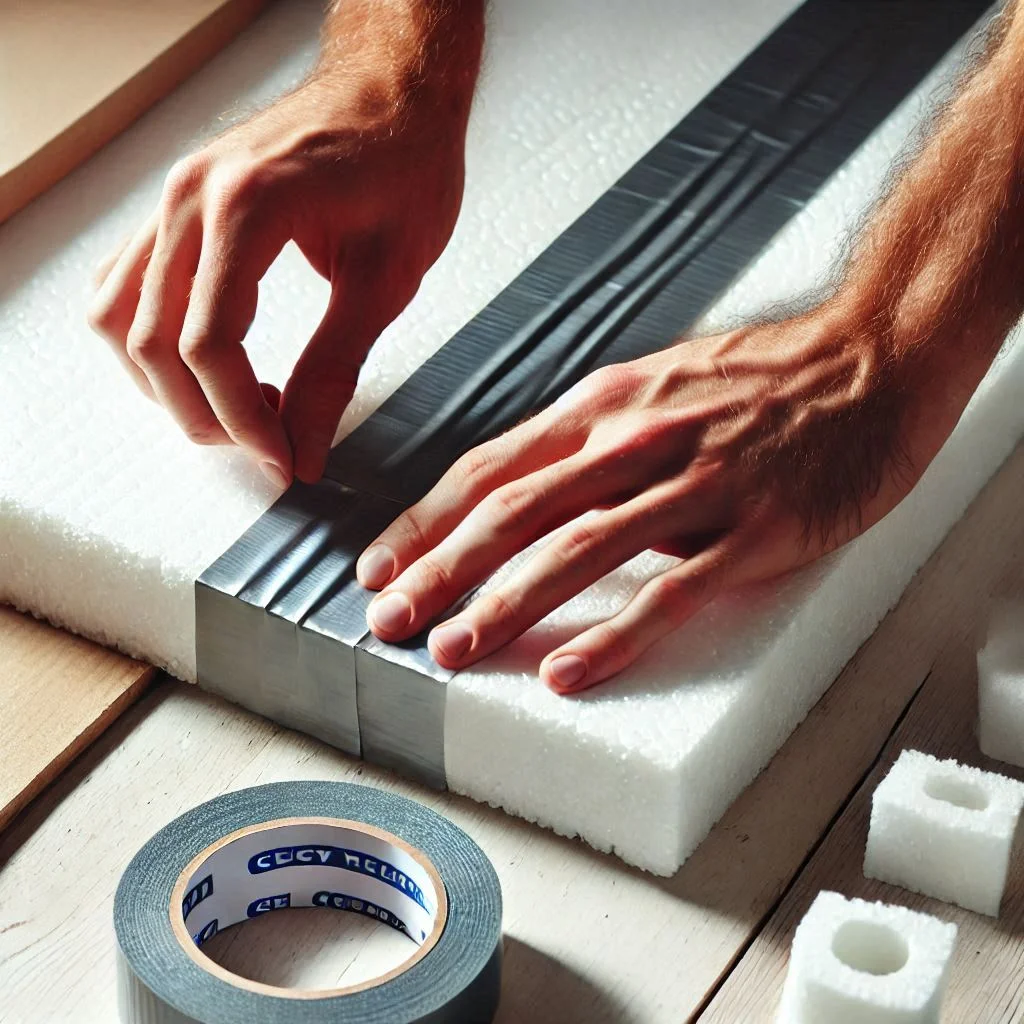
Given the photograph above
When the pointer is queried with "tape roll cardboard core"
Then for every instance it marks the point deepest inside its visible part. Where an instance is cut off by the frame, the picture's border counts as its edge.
(332, 863)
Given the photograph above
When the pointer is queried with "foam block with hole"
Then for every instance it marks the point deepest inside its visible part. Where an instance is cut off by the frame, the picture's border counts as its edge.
(944, 829)
(1001, 686)
(108, 514)
(854, 962)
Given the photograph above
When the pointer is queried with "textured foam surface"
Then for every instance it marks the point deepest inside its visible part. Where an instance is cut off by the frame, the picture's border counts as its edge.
(107, 514)
(854, 962)
(944, 829)
(1001, 686)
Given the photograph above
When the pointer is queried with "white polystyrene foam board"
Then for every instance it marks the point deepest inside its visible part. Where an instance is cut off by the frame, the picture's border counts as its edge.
(107, 514)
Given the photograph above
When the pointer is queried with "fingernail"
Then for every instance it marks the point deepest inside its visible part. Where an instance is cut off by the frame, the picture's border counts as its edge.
(568, 670)
(452, 639)
(375, 566)
(275, 474)
(391, 613)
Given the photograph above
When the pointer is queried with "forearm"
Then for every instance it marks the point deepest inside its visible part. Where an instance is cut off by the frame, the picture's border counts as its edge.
(399, 53)
(937, 273)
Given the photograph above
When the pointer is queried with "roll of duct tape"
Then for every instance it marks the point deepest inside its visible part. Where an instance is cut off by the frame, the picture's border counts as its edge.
(308, 844)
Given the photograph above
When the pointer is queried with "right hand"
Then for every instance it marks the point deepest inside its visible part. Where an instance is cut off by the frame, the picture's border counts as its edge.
(368, 183)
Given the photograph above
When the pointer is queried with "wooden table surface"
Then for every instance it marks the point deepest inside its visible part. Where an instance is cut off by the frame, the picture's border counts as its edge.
(58, 692)
(587, 938)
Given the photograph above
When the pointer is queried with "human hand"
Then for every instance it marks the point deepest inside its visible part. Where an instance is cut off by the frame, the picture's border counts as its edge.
(365, 175)
(746, 454)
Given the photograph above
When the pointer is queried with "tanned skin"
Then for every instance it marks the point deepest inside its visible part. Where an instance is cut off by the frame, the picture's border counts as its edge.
(362, 166)
(746, 454)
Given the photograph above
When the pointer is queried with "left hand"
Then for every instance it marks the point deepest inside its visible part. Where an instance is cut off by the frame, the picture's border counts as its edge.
(746, 454)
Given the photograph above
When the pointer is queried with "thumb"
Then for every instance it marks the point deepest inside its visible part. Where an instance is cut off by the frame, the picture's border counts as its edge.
(321, 387)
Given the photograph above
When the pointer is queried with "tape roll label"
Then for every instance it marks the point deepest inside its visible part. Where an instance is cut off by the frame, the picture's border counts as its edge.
(321, 855)
(263, 906)
(206, 933)
(199, 892)
(325, 863)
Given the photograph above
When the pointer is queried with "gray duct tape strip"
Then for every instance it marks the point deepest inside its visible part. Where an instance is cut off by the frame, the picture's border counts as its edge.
(278, 616)
(640, 266)
(325, 844)
(633, 273)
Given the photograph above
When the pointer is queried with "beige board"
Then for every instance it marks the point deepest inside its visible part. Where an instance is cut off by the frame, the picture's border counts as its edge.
(74, 73)
(587, 938)
(58, 692)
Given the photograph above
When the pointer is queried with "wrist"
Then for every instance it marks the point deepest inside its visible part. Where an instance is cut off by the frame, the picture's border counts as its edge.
(919, 332)
(929, 368)
(391, 60)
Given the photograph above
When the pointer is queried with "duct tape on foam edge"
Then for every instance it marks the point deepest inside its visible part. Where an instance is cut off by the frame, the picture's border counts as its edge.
(309, 844)
(280, 620)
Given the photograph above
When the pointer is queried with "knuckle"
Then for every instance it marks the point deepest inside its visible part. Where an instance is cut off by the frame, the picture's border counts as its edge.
(680, 596)
(706, 476)
(510, 506)
(612, 642)
(183, 179)
(654, 432)
(577, 543)
(497, 609)
(101, 317)
(673, 592)
(236, 189)
(202, 433)
(474, 464)
(610, 455)
(143, 345)
(611, 383)
(194, 347)
(475, 468)
(435, 574)
(410, 529)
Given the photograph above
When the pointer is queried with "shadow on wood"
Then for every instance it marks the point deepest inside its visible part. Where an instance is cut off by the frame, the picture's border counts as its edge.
(538, 988)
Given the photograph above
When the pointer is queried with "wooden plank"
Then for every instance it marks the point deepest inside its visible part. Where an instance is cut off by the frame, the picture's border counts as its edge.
(58, 692)
(588, 939)
(74, 74)
(987, 981)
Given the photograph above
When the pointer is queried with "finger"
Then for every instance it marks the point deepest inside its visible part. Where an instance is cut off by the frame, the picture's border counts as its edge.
(503, 524)
(525, 449)
(322, 385)
(153, 341)
(271, 395)
(106, 265)
(371, 285)
(233, 258)
(113, 307)
(662, 605)
(575, 558)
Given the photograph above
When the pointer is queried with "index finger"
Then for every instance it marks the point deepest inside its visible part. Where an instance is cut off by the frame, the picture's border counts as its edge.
(539, 442)
(221, 307)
